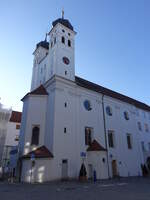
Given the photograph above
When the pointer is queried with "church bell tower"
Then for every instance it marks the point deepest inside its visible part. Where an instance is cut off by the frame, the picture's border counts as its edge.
(62, 49)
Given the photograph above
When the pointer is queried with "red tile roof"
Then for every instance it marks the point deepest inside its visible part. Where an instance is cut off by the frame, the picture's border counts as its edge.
(38, 91)
(95, 146)
(15, 117)
(41, 152)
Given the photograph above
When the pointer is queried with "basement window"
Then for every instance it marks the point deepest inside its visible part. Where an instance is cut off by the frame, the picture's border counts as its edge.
(17, 126)
(65, 104)
(65, 130)
(17, 138)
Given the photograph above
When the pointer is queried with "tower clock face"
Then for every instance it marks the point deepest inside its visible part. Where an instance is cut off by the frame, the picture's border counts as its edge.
(66, 60)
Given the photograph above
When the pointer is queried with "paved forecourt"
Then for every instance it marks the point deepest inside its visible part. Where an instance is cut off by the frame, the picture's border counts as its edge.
(123, 189)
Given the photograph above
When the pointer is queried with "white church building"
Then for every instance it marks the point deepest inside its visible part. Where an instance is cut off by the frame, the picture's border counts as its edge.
(67, 120)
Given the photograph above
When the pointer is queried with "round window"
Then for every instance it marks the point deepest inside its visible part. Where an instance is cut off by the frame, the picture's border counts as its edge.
(126, 115)
(109, 110)
(87, 105)
(66, 60)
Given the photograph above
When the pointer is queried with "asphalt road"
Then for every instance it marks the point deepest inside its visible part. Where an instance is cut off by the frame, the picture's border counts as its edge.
(124, 189)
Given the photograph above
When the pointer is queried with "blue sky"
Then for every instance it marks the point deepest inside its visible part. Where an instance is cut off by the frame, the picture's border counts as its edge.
(112, 43)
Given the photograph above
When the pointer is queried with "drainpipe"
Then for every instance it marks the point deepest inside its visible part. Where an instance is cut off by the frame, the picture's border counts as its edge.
(105, 132)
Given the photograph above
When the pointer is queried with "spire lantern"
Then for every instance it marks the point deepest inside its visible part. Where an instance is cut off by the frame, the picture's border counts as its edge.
(46, 37)
(62, 13)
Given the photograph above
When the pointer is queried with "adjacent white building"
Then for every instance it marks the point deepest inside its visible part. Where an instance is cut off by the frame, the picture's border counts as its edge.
(12, 138)
(65, 117)
(5, 114)
(9, 135)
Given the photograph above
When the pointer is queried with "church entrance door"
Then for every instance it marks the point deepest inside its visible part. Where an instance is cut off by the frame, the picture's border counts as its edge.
(114, 168)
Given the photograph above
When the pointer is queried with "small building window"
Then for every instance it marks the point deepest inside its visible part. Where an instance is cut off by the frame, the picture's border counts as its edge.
(143, 146)
(63, 40)
(126, 115)
(139, 126)
(65, 130)
(55, 40)
(109, 110)
(87, 105)
(111, 139)
(17, 126)
(146, 128)
(88, 135)
(65, 104)
(51, 44)
(129, 141)
(69, 34)
(35, 135)
(65, 161)
(69, 43)
(63, 30)
(65, 72)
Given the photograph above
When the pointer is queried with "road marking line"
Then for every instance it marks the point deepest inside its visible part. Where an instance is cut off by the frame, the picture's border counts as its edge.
(107, 185)
(113, 184)
(121, 184)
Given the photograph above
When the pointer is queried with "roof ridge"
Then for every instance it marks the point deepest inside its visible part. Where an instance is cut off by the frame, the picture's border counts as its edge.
(96, 146)
(41, 90)
(40, 152)
(108, 92)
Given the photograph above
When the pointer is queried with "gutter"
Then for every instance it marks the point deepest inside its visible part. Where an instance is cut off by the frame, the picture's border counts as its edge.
(105, 132)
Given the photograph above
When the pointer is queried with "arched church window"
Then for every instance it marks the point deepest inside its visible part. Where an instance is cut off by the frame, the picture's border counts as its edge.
(35, 135)
(63, 40)
(69, 43)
